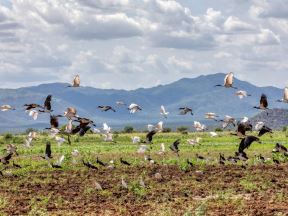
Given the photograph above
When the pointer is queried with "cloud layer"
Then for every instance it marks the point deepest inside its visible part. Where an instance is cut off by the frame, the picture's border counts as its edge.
(141, 43)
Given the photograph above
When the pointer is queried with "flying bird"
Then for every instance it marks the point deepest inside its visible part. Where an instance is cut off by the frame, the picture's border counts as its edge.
(241, 94)
(75, 82)
(285, 96)
(134, 108)
(163, 112)
(6, 107)
(199, 127)
(47, 104)
(106, 108)
(70, 113)
(174, 147)
(149, 136)
(263, 103)
(211, 115)
(228, 81)
(246, 142)
(185, 110)
(264, 130)
(227, 121)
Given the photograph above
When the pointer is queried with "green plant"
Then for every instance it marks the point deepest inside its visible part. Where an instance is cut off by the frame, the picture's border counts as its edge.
(218, 130)
(128, 129)
(182, 129)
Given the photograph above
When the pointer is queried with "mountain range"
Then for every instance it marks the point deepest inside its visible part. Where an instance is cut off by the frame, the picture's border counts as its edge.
(198, 93)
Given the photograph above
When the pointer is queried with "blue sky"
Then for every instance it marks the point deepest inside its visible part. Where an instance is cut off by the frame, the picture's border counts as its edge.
(127, 44)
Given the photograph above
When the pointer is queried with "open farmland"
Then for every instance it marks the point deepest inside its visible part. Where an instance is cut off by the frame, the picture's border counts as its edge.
(207, 188)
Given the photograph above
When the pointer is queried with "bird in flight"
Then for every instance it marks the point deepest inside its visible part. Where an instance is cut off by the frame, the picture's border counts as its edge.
(285, 96)
(163, 112)
(263, 103)
(241, 94)
(185, 110)
(106, 108)
(228, 81)
(75, 82)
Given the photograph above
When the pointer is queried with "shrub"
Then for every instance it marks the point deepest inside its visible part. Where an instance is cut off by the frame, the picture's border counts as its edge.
(218, 130)
(128, 129)
(28, 130)
(182, 129)
(166, 130)
(8, 136)
(284, 129)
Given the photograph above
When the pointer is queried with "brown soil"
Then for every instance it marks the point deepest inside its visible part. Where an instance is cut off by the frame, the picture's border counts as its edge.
(217, 190)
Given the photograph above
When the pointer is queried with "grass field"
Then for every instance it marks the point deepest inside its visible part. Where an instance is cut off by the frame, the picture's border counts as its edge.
(207, 188)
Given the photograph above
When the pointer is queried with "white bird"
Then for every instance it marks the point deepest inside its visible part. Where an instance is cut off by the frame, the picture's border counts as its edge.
(285, 96)
(6, 107)
(134, 108)
(70, 113)
(97, 186)
(75, 154)
(53, 132)
(211, 115)
(162, 149)
(59, 140)
(150, 127)
(163, 111)
(141, 183)
(34, 114)
(244, 119)
(199, 127)
(158, 127)
(69, 126)
(11, 149)
(96, 131)
(158, 176)
(142, 149)
(75, 82)
(124, 184)
(111, 164)
(194, 141)
(60, 160)
(213, 134)
(108, 137)
(106, 128)
(228, 120)
(228, 81)
(136, 139)
(241, 94)
(120, 103)
(259, 125)
(27, 142)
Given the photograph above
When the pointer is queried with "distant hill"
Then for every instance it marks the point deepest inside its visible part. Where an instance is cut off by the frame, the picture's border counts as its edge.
(276, 118)
(198, 93)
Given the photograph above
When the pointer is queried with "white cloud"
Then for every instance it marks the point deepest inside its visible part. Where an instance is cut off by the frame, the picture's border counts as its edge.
(234, 24)
(140, 42)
